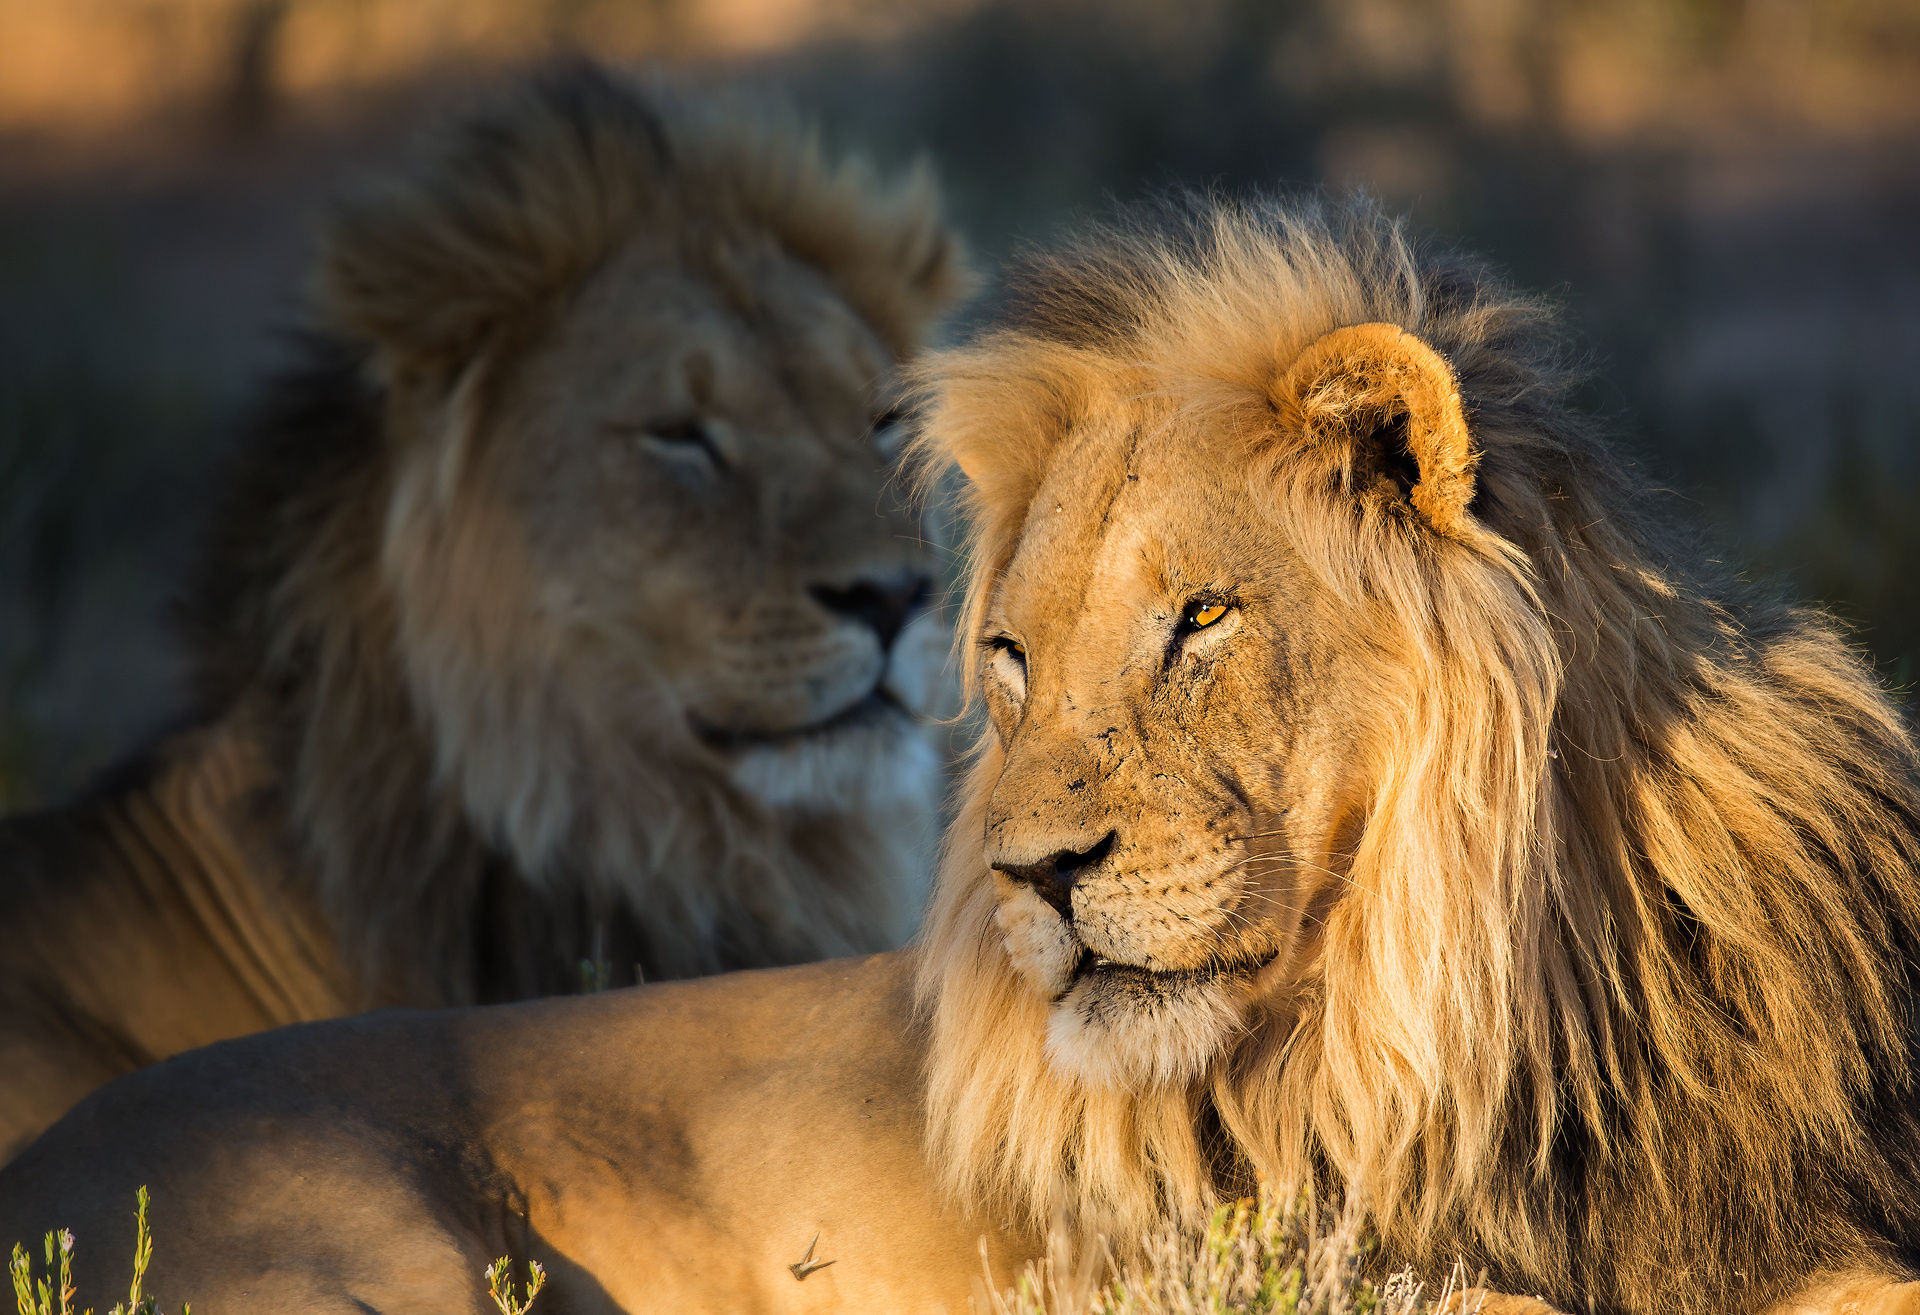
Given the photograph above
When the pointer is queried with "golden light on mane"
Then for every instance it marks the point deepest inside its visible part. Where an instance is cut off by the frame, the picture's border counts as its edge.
(1630, 923)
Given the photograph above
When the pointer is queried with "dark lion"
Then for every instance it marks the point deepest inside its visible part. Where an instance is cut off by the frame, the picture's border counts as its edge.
(561, 610)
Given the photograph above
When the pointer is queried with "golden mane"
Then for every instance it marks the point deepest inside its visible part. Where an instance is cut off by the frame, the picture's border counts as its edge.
(1619, 1003)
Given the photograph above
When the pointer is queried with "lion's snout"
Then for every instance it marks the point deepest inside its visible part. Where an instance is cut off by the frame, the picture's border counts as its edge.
(1053, 877)
(883, 603)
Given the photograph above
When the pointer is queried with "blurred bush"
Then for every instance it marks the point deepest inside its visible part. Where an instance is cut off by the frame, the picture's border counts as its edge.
(1722, 192)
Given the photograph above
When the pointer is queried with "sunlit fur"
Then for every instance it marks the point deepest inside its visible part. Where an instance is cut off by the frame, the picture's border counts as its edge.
(1618, 998)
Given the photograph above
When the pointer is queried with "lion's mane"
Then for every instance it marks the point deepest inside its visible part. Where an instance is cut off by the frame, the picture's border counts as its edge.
(473, 831)
(1619, 1002)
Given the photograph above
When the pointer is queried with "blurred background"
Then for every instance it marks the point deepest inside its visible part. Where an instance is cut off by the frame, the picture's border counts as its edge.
(1724, 194)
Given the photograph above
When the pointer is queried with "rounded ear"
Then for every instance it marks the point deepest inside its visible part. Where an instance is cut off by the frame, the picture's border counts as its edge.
(1393, 404)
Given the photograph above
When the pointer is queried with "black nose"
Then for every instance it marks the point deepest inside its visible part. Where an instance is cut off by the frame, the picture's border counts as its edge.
(1053, 877)
(883, 606)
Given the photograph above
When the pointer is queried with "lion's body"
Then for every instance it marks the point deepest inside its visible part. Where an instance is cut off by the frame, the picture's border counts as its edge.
(559, 612)
(1369, 796)
(380, 1163)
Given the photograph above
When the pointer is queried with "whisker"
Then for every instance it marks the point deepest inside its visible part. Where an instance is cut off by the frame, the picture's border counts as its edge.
(1293, 860)
(1246, 864)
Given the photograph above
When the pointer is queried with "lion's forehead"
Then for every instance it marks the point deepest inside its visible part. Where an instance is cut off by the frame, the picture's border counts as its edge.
(1129, 515)
(783, 356)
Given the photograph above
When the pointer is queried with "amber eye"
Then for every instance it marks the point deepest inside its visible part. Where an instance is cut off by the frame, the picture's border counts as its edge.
(1009, 645)
(1199, 616)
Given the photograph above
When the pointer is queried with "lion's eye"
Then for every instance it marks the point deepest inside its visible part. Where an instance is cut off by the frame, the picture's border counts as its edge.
(679, 437)
(1009, 661)
(1199, 614)
(691, 430)
(889, 431)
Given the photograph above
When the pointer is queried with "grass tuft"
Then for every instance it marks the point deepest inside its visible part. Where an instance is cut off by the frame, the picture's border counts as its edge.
(1270, 1255)
(52, 1292)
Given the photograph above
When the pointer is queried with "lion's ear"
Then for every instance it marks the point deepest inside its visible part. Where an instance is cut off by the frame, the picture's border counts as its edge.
(1392, 403)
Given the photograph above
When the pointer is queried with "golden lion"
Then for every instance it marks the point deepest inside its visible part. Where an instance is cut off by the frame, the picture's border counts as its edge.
(1372, 796)
(561, 611)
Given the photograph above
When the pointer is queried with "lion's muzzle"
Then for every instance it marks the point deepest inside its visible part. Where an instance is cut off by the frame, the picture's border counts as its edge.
(1053, 877)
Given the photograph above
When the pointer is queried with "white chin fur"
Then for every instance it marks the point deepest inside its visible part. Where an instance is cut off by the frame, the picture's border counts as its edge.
(1109, 1035)
(886, 767)
(1038, 942)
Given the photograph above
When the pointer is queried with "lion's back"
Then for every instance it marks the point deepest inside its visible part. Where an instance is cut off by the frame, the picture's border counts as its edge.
(286, 1175)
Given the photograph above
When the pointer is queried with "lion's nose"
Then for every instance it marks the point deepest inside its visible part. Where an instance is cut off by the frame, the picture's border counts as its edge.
(1053, 877)
(882, 605)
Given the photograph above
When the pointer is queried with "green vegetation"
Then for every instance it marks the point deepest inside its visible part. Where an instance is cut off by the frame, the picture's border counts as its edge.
(52, 1292)
(500, 1286)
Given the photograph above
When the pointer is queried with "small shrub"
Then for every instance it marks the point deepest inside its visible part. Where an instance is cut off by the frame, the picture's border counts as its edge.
(52, 1293)
(500, 1286)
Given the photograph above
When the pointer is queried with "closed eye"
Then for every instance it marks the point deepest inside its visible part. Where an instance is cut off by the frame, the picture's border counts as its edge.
(889, 430)
(679, 437)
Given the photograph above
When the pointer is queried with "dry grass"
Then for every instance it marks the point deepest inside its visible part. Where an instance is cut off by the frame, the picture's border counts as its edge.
(1277, 1255)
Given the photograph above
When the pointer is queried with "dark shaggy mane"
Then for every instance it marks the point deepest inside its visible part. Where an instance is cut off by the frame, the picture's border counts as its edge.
(311, 432)
(446, 271)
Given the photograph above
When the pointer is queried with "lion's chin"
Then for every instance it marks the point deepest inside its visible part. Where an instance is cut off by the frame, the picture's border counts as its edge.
(882, 760)
(1126, 1027)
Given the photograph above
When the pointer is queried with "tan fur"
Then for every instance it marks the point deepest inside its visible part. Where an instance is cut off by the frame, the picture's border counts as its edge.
(536, 607)
(1483, 854)
(1565, 892)
(674, 1148)
(1377, 369)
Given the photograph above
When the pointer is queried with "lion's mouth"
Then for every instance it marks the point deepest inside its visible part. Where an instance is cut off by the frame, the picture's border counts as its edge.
(1096, 967)
(878, 706)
